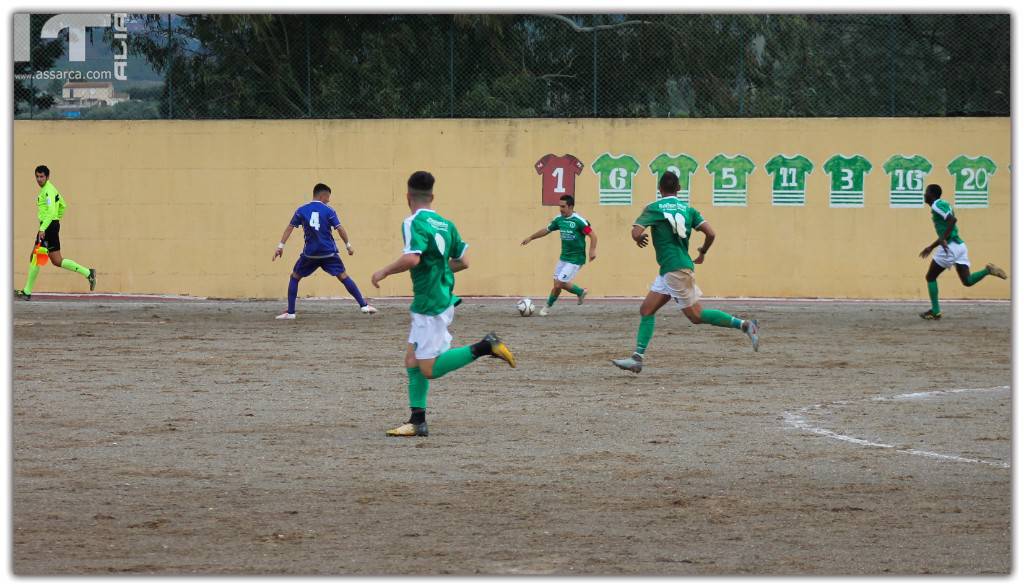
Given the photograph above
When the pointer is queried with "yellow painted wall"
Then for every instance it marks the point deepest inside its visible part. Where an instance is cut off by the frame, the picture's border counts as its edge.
(197, 207)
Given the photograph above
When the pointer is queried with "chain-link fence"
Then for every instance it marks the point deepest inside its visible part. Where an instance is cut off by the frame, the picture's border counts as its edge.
(175, 66)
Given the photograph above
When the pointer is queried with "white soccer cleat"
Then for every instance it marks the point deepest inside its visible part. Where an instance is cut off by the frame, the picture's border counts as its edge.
(543, 311)
(751, 332)
(368, 310)
(634, 363)
(287, 316)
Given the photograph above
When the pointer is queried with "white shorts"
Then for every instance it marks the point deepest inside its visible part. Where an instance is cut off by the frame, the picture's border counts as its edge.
(429, 334)
(565, 271)
(680, 285)
(957, 255)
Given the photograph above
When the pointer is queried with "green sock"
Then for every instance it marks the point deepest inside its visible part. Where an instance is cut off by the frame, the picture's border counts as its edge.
(720, 318)
(418, 386)
(933, 293)
(576, 290)
(644, 333)
(70, 265)
(33, 271)
(976, 277)
(552, 298)
(453, 359)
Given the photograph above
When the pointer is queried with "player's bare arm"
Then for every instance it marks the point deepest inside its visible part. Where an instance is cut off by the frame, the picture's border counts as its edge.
(943, 241)
(640, 236)
(402, 264)
(593, 244)
(457, 265)
(344, 239)
(709, 238)
(541, 233)
(284, 239)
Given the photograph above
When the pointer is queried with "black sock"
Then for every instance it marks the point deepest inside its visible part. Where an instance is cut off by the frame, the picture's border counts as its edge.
(419, 416)
(480, 348)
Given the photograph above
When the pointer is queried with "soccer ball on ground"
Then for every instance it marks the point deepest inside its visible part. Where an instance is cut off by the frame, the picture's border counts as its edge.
(525, 307)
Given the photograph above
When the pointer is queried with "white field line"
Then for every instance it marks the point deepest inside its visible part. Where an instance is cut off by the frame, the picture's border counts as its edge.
(798, 420)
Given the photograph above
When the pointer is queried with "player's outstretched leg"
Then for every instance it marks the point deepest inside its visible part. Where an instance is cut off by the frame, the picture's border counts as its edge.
(350, 285)
(293, 292)
(994, 270)
(718, 318)
(416, 426)
(460, 357)
(80, 269)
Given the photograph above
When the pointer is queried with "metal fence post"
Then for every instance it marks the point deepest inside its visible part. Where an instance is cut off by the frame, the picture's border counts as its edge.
(892, 65)
(593, 22)
(170, 63)
(451, 67)
(309, 93)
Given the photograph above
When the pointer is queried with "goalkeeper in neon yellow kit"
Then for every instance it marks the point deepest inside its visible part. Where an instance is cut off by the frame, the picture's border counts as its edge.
(51, 209)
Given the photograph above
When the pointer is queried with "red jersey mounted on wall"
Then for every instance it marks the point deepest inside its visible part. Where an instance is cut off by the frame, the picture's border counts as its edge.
(559, 176)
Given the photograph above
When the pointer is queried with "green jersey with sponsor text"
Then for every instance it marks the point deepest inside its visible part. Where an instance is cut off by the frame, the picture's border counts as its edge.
(437, 240)
(573, 230)
(671, 221)
(941, 212)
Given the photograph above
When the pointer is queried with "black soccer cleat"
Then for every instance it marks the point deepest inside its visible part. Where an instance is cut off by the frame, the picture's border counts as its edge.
(930, 316)
(92, 279)
(21, 295)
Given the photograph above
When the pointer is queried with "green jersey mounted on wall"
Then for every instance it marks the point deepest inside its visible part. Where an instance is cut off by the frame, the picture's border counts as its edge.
(906, 180)
(789, 179)
(847, 186)
(615, 178)
(729, 186)
(971, 180)
(682, 165)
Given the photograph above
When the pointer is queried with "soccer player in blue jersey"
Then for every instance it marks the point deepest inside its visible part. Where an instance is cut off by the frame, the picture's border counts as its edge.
(317, 221)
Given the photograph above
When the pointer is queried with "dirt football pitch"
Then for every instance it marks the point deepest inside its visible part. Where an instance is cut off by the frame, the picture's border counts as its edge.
(203, 437)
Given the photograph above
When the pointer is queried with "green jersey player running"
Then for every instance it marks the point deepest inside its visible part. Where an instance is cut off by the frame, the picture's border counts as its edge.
(950, 251)
(574, 229)
(671, 222)
(433, 252)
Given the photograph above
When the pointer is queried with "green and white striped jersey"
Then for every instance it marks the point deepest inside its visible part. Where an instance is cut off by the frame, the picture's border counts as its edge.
(971, 178)
(906, 180)
(729, 185)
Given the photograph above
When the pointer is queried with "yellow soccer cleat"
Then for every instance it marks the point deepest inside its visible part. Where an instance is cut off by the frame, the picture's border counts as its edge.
(409, 430)
(500, 350)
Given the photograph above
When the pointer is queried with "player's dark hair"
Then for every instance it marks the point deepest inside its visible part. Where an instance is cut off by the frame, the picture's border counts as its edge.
(569, 199)
(669, 183)
(421, 185)
(42, 169)
(933, 190)
(317, 189)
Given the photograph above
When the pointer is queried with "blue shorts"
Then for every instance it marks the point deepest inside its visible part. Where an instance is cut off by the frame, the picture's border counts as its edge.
(307, 265)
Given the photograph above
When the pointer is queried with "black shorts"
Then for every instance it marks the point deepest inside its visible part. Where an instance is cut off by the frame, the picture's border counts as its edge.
(51, 239)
